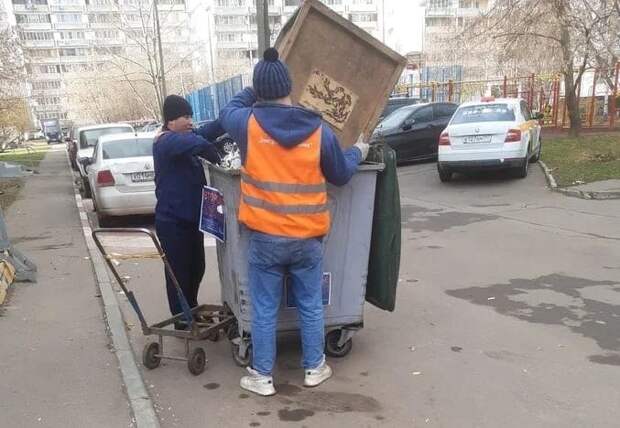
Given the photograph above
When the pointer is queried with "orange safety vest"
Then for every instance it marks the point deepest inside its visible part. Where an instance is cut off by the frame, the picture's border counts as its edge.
(283, 190)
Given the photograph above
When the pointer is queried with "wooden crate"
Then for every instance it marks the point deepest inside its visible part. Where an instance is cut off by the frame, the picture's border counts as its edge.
(338, 69)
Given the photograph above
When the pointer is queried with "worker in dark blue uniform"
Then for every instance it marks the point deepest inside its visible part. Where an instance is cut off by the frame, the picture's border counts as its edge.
(179, 178)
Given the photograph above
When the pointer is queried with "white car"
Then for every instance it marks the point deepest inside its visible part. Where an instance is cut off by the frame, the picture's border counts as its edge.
(121, 175)
(489, 134)
(86, 138)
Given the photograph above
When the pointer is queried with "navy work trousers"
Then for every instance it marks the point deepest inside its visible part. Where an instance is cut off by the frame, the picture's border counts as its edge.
(183, 244)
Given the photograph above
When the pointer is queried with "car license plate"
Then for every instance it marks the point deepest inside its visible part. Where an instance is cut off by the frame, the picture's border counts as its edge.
(140, 177)
(476, 139)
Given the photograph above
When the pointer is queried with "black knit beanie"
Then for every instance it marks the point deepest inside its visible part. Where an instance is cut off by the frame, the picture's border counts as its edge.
(271, 79)
(176, 107)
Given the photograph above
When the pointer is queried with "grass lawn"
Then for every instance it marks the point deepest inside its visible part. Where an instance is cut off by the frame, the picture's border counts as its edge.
(584, 159)
(29, 157)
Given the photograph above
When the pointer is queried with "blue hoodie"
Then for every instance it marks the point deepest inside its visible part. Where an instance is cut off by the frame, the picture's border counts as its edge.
(289, 126)
(179, 175)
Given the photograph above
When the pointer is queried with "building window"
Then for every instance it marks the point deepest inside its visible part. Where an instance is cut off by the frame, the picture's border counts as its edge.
(48, 84)
(439, 4)
(32, 19)
(38, 35)
(71, 35)
(229, 37)
(104, 18)
(42, 53)
(34, 2)
(69, 18)
(230, 3)
(332, 2)
(48, 69)
(292, 2)
(230, 20)
(106, 34)
(364, 2)
(363, 17)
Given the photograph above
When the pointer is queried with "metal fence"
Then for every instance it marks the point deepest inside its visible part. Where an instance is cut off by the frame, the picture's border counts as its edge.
(208, 101)
(597, 95)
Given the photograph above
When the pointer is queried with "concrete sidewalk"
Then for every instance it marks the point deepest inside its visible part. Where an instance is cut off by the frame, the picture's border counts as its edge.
(56, 367)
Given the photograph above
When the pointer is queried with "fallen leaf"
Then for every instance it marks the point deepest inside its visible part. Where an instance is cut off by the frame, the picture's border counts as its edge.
(491, 298)
(416, 373)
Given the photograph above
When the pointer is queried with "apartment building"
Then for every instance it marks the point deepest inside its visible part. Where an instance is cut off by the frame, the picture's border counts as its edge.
(444, 20)
(65, 38)
(234, 27)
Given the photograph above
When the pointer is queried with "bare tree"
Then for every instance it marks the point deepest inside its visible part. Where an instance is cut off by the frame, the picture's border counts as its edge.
(14, 113)
(573, 33)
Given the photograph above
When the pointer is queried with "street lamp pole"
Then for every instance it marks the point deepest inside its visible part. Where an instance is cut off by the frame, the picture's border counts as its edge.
(210, 44)
(262, 25)
(162, 75)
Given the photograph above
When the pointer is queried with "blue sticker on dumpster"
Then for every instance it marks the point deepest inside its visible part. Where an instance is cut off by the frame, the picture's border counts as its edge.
(212, 219)
(326, 288)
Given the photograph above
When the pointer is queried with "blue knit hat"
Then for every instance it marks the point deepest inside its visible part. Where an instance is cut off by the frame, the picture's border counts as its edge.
(271, 79)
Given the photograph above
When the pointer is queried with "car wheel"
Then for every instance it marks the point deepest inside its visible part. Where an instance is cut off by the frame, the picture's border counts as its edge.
(521, 171)
(86, 188)
(104, 221)
(536, 157)
(444, 174)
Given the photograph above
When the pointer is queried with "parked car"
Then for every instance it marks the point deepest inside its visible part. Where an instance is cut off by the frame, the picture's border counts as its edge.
(121, 175)
(490, 134)
(151, 127)
(86, 138)
(395, 103)
(413, 131)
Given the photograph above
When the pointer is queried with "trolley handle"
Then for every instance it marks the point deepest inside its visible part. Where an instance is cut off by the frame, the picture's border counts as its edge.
(108, 259)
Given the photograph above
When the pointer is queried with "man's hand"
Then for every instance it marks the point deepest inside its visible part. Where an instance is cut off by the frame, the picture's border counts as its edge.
(362, 146)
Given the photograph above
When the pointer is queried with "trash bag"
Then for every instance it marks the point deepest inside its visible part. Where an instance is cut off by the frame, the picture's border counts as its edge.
(384, 260)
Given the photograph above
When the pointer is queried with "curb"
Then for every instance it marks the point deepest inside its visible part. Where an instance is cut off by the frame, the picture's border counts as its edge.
(143, 410)
(574, 192)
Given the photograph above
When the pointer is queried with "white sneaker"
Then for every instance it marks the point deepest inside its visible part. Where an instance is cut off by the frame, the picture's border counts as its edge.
(315, 377)
(258, 383)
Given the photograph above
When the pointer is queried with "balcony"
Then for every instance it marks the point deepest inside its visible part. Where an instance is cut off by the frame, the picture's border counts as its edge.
(237, 45)
(70, 26)
(106, 42)
(440, 12)
(470, 12)
(18, 8)
(101, 8)
(66, 8)
(28, 26)
(39, 43)
(43, 60)
(47, 92)
(72, 43)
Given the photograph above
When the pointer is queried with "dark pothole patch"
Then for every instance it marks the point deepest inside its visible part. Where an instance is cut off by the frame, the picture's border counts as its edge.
(212, 386)
(557, 299)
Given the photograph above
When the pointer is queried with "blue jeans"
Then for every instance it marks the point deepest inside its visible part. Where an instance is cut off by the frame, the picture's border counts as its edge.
(270, 259)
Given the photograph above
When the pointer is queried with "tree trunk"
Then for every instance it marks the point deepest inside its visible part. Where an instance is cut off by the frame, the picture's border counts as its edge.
(572, 103)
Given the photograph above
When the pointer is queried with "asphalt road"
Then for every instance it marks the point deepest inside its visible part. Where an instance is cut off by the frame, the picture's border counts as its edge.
(508, 314)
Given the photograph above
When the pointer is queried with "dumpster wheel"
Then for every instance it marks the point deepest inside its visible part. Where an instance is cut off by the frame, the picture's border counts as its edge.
(332, 348)
(239, 360)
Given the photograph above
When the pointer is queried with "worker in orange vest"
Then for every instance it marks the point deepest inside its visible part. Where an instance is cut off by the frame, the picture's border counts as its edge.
(288, 154)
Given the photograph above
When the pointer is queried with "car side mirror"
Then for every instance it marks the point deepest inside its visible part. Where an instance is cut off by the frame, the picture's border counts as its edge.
(86, 161)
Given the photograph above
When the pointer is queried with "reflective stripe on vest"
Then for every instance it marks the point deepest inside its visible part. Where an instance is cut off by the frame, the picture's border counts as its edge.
(283, 188)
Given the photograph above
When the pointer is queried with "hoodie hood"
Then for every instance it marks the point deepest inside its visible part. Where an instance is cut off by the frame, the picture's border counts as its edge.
(287, 125)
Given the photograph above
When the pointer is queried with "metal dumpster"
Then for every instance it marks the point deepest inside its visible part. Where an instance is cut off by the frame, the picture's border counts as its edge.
(345, 263)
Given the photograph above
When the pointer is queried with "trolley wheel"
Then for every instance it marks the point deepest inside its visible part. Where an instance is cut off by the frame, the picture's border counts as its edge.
(150, 356)
(197, 361)
(239, 360)
(331, 344)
